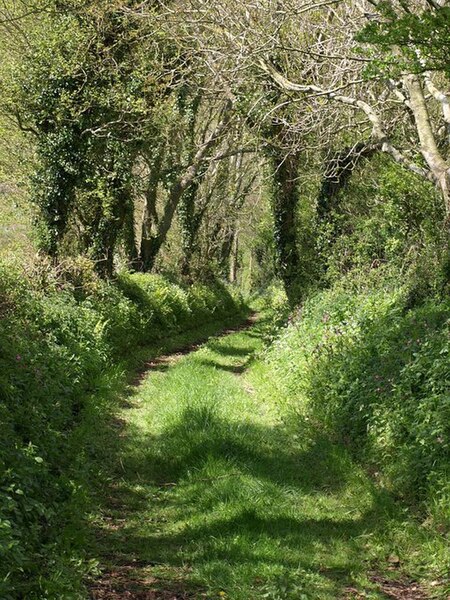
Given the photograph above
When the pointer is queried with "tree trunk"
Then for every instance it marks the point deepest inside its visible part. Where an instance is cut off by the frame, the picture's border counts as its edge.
(190, 223)
(234, 258)
(150, 217)
(284, 206)
(183, 183)
(439, 167)
(152, 243)
(444, 185)
(107, 234)
(129, 237)
(223, 249)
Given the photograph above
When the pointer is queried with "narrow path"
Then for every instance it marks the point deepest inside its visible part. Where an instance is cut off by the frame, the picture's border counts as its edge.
(218, 493)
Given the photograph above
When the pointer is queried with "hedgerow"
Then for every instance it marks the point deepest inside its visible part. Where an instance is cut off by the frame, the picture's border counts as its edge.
(60, 334)
(359, 361)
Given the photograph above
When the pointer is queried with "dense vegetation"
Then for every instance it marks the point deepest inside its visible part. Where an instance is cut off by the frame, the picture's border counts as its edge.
(58, 351)
(374, 372)
(160, 161)
(221, 490)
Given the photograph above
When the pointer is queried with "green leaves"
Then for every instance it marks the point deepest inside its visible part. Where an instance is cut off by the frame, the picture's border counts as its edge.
(57, 349)
(86, 86)
(401, 36)
(374, 373)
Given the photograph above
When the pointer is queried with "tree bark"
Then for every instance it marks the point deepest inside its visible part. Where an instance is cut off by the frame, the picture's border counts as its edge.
(129, 237)
(234, 257)
(109, 228)
(284, 205)
(190, 223)
(154, 242)
(150, 217)
(439, 167)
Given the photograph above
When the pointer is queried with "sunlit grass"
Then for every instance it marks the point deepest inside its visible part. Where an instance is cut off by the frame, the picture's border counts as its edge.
(219, 487)
(15, 223)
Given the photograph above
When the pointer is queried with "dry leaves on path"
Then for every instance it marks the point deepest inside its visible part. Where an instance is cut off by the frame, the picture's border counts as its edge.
(119, 584)
(399, 589)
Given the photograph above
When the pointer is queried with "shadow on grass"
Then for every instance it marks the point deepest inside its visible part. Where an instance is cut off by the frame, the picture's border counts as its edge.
(236, 369)
(285, 541)
(232, 489)
(232, 498)
(227, 353)
(201, 436)
(228, 350)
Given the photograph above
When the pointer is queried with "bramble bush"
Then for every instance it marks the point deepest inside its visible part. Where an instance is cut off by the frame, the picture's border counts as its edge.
(60, 333)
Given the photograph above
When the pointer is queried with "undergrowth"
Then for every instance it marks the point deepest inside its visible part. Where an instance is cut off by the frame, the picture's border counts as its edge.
(363, 362)
(61, 333)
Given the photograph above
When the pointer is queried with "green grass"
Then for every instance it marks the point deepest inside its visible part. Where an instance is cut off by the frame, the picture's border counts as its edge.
(15, 223)
(213, 487)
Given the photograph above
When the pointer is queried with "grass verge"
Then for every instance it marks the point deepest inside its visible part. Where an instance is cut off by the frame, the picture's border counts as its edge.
(63, 339)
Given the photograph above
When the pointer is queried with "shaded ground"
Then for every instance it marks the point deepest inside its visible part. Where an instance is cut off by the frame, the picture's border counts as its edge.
(164, 361)
(215, 491)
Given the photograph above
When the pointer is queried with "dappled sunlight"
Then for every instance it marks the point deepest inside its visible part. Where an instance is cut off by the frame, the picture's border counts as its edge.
(211, 480)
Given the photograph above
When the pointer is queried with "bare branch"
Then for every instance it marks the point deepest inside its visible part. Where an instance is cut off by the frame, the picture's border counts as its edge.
(378, 133)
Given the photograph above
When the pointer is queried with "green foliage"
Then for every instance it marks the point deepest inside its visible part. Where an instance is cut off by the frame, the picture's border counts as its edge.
(59, 334)
(375, 372)
(428, 31)
(82, 87)
(384, 216)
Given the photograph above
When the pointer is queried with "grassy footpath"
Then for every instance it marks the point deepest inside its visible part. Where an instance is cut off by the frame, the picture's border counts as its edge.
(211, 489)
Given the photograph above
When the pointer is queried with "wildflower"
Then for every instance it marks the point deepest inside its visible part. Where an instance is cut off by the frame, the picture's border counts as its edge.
(18, 358)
